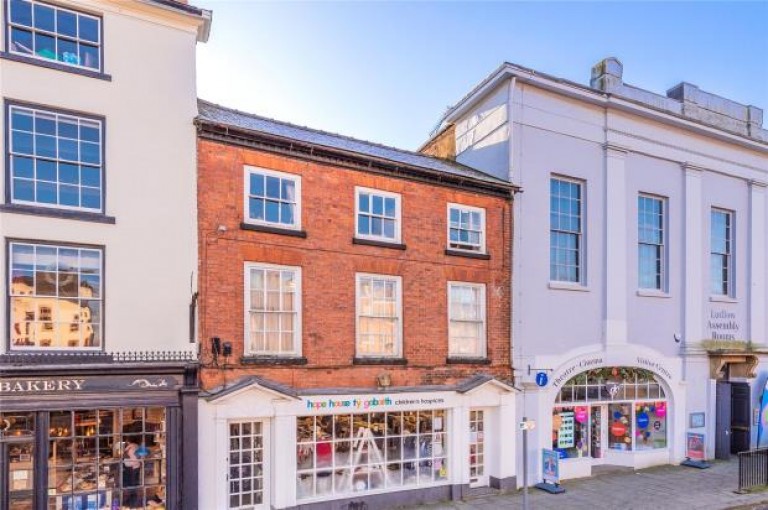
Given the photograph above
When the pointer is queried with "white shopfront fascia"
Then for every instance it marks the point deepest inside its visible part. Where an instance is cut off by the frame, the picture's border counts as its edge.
(540, 402)
(279, 413)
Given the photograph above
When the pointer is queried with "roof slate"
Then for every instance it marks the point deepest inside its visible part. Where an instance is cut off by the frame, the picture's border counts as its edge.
(217, 114)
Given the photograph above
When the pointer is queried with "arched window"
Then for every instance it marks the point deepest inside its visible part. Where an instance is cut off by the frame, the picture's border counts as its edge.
(611, 408)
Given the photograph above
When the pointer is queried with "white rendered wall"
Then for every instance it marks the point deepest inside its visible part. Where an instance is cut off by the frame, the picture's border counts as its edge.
(150, 169)
(619, 155)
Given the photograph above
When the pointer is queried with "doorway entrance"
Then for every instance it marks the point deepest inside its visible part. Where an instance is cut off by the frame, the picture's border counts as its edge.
(478, 476)
(732, 419)
(598, 432)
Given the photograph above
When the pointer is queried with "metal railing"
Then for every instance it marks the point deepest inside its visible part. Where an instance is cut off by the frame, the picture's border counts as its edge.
(59, 358)
(753, 469)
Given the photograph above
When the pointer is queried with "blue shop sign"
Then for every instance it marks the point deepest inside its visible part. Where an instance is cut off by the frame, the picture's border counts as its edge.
(542, 379)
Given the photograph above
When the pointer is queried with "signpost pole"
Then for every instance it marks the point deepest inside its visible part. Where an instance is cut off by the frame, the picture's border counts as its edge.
(525, 463)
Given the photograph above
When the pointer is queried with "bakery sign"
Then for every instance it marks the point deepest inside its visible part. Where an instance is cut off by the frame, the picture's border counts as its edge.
(71, 385)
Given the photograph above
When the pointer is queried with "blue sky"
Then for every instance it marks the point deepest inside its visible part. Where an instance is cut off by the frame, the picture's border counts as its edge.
(386, 71)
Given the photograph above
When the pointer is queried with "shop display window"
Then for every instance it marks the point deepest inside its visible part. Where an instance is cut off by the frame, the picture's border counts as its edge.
(651, 425)
(620, 426)
(613, 408)
(107, 459)
(570, 427)
(353, 453)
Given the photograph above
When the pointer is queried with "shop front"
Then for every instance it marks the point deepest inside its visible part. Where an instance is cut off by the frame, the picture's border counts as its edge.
(381, 448)
(97, 436)
(620, 406)
(611, 415)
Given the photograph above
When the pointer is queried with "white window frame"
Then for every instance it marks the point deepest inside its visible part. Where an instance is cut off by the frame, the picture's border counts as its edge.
(663, 246)
(60, 117)
(297, 334)
(483, 313)
(399, 299)
(581, 234)
(247, 171)
(58, 36)
(729, 256)
(10, 295)
(482, 247)
(398, 214)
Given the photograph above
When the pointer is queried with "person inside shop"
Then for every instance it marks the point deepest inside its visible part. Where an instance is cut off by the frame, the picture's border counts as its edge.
(132, 469)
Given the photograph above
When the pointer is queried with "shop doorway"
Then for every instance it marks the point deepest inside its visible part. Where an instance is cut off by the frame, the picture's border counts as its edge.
(478, 476)
(17, 460)
(248, 474)
(598, 431)
(732, 419)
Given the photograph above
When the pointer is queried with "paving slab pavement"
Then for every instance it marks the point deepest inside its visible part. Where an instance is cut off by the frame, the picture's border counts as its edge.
(658, 488)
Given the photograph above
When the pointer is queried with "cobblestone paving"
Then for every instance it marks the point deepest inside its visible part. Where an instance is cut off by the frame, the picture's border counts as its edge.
(659, 488)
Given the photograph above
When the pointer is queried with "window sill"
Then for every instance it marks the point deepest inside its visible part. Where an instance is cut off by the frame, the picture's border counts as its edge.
(57, 213)
(380, 244)
(468, 254)
(653, 293)
(54, 65)
(568, 286)
(273, 360)
(456, 360)
(274, 230)
(379, 361)
(723, 299)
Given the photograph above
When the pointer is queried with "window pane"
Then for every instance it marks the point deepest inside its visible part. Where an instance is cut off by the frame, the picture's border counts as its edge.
(257, 184)
(21, 41)
(66, 23)
(89, 56)
(89, 28)
(45, 18)
(21, 12)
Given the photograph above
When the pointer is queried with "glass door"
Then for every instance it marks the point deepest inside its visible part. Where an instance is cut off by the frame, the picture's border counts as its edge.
(17, 438)
(596, 430)
(248, 481)
(477, 472)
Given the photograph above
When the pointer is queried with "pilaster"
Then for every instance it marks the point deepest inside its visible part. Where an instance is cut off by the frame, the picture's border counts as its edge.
(693, 262)
(757, 261)
(615, 245)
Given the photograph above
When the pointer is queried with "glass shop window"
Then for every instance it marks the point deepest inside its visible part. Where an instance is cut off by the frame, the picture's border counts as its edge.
(107, 459)
(651, 421)
(354, 453)
(570, 431)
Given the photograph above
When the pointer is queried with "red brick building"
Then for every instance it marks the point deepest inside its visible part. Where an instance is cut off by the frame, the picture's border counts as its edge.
(355, 310)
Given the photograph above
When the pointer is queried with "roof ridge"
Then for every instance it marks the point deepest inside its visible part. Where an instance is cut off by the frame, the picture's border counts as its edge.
(330, 133)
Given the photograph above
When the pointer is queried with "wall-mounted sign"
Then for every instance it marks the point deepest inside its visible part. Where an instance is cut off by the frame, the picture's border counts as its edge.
(550, 466)
(542, 379)
(369, 402)
(696, 420)
(72, 385)
(723, 325)
(694, 446)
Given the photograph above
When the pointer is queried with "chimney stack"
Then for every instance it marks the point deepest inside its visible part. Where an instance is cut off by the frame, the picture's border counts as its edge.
(607, 75)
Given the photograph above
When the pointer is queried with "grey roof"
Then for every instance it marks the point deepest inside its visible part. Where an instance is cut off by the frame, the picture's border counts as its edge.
(462, 387)
(191, 9)
(217, 114)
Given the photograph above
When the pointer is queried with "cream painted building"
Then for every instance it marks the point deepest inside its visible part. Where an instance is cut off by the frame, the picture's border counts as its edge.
(98, 220)
(639, 262)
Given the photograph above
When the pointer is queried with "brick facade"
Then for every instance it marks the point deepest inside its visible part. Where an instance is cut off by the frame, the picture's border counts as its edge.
(329, 261)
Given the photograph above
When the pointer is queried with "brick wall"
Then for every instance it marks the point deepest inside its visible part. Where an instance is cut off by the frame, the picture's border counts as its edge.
(329, 262)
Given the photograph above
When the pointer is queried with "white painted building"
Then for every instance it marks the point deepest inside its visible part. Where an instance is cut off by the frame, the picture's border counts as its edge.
(639, 261)
(98, 224)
